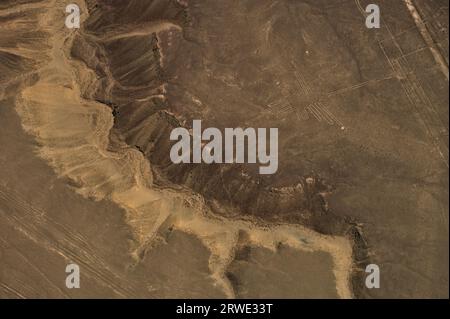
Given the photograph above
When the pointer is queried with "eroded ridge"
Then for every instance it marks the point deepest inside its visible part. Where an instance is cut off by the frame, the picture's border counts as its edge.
(75, 136)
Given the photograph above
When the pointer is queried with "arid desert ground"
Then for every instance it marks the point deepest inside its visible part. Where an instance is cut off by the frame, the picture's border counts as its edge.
(86, 177)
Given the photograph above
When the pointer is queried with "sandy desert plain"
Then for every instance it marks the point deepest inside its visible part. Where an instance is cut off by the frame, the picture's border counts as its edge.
(86, 177)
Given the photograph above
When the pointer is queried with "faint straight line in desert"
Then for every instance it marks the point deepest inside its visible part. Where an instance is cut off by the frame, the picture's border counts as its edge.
(12, 291)
(410, 87)
(38, 270)
(358, 86)
(421, 26)
(315, 112)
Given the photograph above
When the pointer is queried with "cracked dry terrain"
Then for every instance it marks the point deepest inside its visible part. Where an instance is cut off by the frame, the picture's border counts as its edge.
(85, 118)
